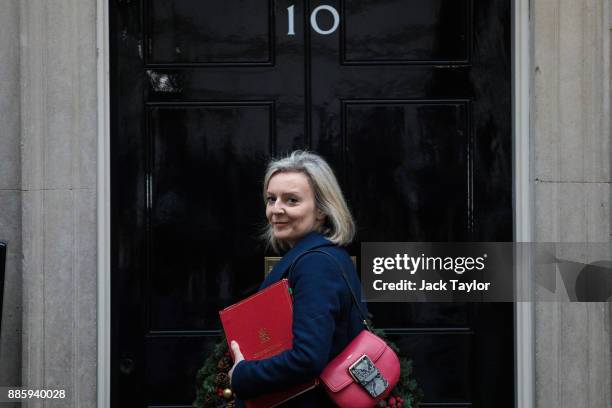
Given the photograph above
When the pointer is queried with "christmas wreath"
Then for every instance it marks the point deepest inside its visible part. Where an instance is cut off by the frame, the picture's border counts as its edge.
(213, 384)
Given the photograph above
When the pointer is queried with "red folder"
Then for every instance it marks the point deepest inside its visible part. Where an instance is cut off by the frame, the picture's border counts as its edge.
(261, 324)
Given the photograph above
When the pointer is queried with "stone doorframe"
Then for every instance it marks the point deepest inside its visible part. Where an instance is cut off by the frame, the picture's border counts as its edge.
(524, 312)
(103, 207)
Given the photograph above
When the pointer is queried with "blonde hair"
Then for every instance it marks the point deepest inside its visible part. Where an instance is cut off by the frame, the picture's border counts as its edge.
(339, 226)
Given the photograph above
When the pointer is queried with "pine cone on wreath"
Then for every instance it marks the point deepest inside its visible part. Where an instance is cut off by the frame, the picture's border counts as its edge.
(224, 364)
(222, 380)
(230, 404)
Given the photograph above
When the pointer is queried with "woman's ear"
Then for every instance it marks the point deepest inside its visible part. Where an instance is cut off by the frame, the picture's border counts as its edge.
(320, 215)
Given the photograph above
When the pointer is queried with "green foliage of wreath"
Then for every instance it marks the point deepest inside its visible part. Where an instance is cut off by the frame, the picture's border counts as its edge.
(209, 386)
(212, 380)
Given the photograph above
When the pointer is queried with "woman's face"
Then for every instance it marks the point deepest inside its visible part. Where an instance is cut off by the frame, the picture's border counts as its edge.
(290, 207)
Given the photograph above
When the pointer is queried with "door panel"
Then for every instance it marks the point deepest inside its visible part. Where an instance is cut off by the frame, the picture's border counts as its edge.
(229, 32)
(203, 159)
(170, 364)
(409, 31)
(396, 151)
(408, 100)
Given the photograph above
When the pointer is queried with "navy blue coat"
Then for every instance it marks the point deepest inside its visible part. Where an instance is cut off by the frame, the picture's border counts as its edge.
(325, 320)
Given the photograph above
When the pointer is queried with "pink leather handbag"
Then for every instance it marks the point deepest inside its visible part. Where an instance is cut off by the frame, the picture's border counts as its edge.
(340, 385)
(366, 370)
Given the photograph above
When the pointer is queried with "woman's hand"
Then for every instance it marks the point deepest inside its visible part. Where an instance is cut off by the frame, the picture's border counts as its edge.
(238, 357)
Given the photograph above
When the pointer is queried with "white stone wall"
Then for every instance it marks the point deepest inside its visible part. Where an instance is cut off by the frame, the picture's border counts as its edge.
(571, 140)
(10, 192)
(59, 140)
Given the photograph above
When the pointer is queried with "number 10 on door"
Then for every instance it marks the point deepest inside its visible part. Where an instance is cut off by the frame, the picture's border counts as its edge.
(313, 19)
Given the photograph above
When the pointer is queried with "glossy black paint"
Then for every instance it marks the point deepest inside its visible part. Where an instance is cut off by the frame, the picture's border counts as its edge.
(410, 101)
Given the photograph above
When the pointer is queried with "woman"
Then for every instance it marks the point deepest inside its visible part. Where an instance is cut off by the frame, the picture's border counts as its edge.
(306, 210)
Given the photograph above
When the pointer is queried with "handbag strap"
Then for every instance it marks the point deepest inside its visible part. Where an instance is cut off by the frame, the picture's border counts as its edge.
(355, 301)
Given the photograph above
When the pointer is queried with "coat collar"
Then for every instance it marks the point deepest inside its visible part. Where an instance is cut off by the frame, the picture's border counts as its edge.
(310, 241)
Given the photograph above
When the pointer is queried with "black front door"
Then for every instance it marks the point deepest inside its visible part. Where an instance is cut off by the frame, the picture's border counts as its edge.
(409, 100)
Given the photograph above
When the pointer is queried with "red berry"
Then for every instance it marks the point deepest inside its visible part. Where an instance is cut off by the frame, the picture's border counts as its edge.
(392, 401)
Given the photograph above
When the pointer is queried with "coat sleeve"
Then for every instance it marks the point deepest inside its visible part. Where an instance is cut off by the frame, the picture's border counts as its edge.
(317, 302)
